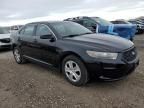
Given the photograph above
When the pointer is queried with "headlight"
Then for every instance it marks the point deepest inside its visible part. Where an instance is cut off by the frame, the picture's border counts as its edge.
(102, 55)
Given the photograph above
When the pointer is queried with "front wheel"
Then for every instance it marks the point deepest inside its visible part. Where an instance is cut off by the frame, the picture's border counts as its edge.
(18, 56)
(75, 71)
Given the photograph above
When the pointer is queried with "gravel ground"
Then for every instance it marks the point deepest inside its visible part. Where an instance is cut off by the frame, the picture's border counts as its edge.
(34, 86)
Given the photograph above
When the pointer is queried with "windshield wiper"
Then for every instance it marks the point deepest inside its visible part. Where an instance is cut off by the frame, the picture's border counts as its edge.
(71, 35)
(74, 35)
(87, 33)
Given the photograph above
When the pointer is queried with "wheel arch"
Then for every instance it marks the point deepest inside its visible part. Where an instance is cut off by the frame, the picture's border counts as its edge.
(13, 45)
(68, 53)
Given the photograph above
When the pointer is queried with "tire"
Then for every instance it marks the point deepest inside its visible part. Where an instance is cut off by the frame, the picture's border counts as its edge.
(78, 74)
(18, 56)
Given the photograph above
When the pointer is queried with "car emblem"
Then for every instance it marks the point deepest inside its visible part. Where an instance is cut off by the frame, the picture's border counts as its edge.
(133, 53)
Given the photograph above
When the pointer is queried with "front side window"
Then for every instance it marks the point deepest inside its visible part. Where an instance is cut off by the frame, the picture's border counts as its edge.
(29, 30)
(42, 30)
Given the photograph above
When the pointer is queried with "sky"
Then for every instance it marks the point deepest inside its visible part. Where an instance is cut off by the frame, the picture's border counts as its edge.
(14, 12)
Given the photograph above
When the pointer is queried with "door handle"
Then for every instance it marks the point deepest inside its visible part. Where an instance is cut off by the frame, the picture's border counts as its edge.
(19, 39)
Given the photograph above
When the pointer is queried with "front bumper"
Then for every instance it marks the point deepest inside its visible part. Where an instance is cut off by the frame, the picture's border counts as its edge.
(112, 70)
(5, 45)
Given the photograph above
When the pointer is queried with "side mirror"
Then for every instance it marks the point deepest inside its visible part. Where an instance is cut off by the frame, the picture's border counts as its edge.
(48, 36)
(52, 39)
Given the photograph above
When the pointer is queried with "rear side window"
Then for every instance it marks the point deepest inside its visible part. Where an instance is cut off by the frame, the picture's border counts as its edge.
(42, 30)
(28, 30)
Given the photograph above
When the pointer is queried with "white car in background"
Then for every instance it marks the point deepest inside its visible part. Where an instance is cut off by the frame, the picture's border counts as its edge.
(5, 41)
(15, 28)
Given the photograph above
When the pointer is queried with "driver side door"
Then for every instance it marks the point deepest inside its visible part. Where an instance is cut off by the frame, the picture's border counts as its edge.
(47, 47)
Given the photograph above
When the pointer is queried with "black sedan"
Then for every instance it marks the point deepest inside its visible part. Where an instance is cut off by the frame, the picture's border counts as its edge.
(75, 50)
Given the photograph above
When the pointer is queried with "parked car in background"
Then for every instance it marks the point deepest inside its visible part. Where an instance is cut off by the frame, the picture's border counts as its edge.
(140, 25)
(75, 50)
(141, 19)
(120, 22)
(7, 28)
(5, 41)
(99, 25)
(15, 28)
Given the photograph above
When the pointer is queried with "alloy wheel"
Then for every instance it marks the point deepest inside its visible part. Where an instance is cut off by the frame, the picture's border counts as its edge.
(17, 55)
(72, 71)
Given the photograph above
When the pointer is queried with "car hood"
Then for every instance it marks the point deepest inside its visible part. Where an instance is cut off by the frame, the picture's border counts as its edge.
(103, 42)
(2, 36)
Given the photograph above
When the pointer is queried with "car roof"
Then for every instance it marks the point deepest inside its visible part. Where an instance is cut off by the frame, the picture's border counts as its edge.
(78, 18)
(47, 22)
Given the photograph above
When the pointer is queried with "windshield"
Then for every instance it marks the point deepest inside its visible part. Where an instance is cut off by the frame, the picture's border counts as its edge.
(102, 21)
(69, 29)
(4, 31)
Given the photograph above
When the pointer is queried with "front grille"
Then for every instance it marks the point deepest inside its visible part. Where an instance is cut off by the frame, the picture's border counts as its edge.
(6, 40)
(130, 55)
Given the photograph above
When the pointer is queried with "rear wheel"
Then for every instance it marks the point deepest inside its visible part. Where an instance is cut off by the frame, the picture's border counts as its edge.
(75, 71)
(18, 57)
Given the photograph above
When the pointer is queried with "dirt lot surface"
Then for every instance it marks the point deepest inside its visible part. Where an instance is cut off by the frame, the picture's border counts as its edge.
(34, 86)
